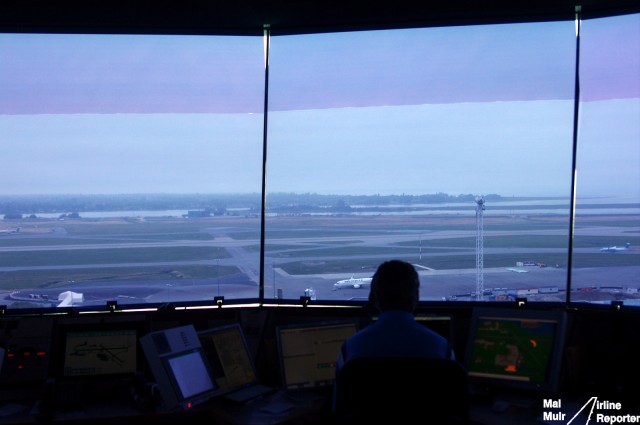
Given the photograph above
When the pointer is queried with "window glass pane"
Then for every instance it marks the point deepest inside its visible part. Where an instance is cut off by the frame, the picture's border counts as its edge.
(123, 156)
(606, 255)
(380, 142)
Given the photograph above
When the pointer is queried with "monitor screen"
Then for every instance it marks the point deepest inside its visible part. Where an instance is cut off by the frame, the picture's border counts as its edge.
(516, 348)
(179, 367)
(226, 350)
(100, 352)
(189, 373)
(308, 352)
(97, 348)
(439, 323)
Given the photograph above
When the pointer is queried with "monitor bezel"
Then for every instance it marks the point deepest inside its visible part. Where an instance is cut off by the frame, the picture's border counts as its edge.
(64, 328)
(235, 326)
(304, 326)
(195, 398)
(425, 318)
(551, 384)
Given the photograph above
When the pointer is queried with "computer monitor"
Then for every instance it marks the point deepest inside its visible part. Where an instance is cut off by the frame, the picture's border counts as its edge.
(179, 367)
(92, 352)
(189, 374)
(93, 358)
(516, 349)
(227, 352)
(441, 324)
(97, 349)
(308, 352)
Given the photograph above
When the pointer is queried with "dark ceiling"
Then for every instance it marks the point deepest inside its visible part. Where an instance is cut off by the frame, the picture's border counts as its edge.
(283, 16)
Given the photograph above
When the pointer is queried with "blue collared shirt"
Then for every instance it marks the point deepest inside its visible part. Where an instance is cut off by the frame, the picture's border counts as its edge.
(395, 334)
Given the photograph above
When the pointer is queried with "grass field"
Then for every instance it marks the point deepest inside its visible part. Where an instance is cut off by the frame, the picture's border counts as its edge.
(300, 245)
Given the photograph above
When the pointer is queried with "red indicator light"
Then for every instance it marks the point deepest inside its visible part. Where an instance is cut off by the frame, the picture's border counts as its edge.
(189, 405)
(41, 353)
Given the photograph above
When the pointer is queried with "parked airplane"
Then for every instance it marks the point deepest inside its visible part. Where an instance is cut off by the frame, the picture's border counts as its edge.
(517, 270)
(7, 231)
(361, 282)
(615, 248)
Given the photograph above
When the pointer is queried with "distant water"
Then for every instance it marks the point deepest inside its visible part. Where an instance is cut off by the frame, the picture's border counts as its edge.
(553, 206)
(118, 214)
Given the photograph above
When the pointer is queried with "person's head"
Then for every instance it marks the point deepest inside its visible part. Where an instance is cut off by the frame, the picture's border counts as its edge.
(395, 286)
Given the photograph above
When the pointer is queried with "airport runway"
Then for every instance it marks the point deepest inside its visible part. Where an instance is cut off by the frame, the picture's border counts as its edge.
(436, 284)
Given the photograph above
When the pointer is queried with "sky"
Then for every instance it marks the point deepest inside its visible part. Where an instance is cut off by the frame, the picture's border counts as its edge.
(485, 109)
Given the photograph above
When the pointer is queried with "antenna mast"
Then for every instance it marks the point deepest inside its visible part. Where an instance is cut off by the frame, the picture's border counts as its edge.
(479, 247)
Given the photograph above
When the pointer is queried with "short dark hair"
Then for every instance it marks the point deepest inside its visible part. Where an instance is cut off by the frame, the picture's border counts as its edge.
(395, 286)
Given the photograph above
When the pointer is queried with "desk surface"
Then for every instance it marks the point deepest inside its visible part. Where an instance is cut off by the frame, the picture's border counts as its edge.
(305, 408)
(279, 408)
(557, 411)
(485, 415)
